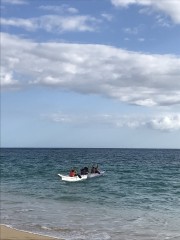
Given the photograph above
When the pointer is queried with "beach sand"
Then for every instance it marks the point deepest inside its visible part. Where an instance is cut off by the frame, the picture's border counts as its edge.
(7, 233)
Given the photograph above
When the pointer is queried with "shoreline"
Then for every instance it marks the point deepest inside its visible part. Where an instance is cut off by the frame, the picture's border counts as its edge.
(10, 233)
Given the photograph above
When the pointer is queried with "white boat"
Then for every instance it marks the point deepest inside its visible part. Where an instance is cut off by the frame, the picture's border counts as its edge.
(80, 177)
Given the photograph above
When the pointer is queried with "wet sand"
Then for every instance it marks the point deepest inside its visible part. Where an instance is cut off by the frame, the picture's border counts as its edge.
(7, 233)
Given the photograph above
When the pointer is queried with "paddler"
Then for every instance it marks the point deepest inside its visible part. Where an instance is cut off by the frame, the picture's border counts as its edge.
(72, 173)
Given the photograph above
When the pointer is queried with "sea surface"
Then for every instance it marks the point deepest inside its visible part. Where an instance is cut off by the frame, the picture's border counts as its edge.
(138, 198)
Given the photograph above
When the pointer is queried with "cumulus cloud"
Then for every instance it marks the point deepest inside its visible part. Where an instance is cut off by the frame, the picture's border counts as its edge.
(164, 122)
(169, 7)
(131, 77)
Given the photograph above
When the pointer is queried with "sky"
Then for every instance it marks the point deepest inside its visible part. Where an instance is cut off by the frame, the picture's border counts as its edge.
(90, 73)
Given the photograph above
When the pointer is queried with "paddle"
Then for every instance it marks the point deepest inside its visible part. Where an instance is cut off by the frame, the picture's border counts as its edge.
(77, 174)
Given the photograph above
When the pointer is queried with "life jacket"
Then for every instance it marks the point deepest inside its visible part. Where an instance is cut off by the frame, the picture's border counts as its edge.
(72, 174)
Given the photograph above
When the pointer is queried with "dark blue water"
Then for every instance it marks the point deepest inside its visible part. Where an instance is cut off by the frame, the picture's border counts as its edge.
(138, 198)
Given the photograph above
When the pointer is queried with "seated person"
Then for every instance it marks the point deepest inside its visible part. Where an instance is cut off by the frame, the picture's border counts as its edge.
(72, 173)
(93, 169)
(84, 171)
(96, 170)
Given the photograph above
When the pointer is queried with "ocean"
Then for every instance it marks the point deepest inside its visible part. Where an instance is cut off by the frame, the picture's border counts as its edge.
(138, 198)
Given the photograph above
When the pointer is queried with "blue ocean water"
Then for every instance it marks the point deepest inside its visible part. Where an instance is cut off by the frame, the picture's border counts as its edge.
(138, 198)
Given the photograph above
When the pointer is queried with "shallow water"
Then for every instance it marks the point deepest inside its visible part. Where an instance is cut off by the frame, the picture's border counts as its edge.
(137, 199)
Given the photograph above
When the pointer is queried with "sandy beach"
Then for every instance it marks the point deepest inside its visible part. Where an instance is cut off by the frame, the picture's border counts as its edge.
(7, 233)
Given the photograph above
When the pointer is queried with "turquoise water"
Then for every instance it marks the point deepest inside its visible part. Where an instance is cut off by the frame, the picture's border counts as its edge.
(138, 198)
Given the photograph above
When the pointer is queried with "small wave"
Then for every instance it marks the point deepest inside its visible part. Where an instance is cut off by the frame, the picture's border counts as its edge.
(24, 210)
(73, 233)
(41, 227)
(45, 228)
(99, 236)
(56, 229)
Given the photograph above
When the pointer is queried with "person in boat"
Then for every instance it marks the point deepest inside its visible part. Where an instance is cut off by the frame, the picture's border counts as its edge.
(73, 173)
(84, 171)
(95, 169)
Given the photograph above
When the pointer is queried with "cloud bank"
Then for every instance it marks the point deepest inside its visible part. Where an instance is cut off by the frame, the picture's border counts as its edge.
(164, 122)
(131, 77)
(169, 7)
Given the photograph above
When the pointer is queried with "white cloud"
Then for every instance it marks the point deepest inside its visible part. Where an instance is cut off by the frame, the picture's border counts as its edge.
(60, 9)
(18, 2)
(163, 22)
(54, 23)
(169, 7)
(131, 77)
(28, 24)
(61, 118)
(107, 16)
(165, 122)
(134, 30)
(7, 80)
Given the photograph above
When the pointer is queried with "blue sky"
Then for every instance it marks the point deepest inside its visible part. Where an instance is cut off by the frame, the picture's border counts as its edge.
(79, 73)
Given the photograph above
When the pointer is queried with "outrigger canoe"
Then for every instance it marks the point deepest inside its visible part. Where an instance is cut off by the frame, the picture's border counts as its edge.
(81, 177)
